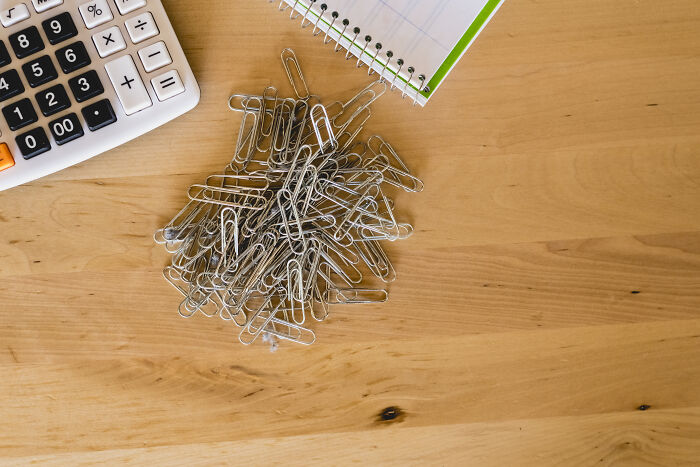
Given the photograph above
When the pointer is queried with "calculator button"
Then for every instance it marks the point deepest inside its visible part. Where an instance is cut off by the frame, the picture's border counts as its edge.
(20, 114)
(128, 85)
(99, 115)
(6, 159)
(95, 13)
(53, 100)
(26, 42)
(33, 143)
(10, 85)
(39, 71)
(86, 86)
(5, 58)
(14, 15)
(168, 85)
(60, 28)
(43, 5)
(127, 6)
(109, 41)
(155, 56)
(66, 129)
(141, 27)
(73, 57)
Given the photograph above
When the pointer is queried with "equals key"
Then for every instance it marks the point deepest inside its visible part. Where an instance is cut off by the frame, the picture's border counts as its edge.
(168, 85)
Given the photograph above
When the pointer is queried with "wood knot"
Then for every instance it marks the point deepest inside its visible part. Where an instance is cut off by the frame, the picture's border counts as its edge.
(391, 414)
(643, 407)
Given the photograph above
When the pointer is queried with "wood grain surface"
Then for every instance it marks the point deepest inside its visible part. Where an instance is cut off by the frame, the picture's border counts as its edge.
(546, 312)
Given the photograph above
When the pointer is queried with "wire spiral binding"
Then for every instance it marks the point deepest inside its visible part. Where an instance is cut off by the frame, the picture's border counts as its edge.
(307, 20)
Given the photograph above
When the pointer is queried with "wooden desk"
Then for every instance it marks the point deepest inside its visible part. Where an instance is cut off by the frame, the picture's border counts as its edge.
(551, 291)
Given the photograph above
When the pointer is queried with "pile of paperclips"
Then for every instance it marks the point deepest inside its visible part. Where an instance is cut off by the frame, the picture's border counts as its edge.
(295, 219)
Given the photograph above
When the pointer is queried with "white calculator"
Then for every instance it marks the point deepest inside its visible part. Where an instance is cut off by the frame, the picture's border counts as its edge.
(78, 78)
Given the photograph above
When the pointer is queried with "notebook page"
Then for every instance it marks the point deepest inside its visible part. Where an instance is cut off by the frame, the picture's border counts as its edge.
(422, 32)
(427, 36)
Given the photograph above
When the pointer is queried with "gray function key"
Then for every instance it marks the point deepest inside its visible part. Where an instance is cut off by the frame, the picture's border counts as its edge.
(127, 83)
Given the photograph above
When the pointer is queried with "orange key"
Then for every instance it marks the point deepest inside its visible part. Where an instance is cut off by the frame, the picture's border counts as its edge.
(6, 160)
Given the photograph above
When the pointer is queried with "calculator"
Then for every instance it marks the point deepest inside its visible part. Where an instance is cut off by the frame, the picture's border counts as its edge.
(78, 78)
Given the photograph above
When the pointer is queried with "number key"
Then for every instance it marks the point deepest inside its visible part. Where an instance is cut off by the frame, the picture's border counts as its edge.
(59, 28)
(53, 100)
(86, 86)
(66, 129)
(10, 85)
(39, 71)
(5, 58)
(26, 42)
(20, 114)
(33, 143)
(73, 57)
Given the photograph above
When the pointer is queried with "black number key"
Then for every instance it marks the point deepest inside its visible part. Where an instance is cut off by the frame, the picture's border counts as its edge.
(26, 42)
(10, 85)
(99, 115)
(5, 58)
(53, 100)
(86, 86)
(33, 143)
(59, 28)
(20, 114)
(39, 71)
(66, 129)
(73, 57)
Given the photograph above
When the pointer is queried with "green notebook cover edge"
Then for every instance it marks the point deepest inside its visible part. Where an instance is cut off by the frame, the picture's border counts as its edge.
(450, 61)
(462, 45)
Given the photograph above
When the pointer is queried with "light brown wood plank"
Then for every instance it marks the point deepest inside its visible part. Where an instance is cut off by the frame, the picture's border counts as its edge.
(657, 437)
(461, 290)
(202, 393)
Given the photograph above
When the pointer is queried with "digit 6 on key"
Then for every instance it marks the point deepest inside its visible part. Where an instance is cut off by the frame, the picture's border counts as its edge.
(73, 57)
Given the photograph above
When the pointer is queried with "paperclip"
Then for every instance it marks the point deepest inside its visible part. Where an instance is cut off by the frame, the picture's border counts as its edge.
(289, 56)
(323, 143)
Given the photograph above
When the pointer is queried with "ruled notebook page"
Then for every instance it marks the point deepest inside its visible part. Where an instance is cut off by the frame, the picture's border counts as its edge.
(422, 32)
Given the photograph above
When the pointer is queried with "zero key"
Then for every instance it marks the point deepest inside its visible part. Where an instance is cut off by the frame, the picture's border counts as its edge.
(6, 159)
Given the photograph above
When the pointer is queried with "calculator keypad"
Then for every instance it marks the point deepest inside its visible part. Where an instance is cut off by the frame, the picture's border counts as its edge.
(5, 58)
(86, 86)
(95, 13)
(99, 115)
(127, 83)
(14, 15)
(39, 71)
(6, 159)
(10, 85)
(20, 114)
(33, 143)
(27, 42)
(66, 129)
(43, 5)
(141, 27)
(73, 57)
(109, 41)
(53, 93)
(53, 100)
(59, 28)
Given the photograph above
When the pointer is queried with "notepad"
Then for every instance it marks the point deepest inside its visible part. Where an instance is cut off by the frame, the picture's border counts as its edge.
(411, 43)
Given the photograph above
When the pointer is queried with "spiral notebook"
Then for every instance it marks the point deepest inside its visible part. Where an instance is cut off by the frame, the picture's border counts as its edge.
(413, 44)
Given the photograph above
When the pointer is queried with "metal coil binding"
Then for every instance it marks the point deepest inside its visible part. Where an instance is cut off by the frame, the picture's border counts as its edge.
(390, 73)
